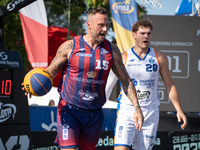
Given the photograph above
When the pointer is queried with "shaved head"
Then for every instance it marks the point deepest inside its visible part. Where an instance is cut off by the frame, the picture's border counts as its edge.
(96, 10)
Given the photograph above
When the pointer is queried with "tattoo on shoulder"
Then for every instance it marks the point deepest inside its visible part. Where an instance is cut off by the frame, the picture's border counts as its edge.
(65, 46)
(63, 51)
(115, 48)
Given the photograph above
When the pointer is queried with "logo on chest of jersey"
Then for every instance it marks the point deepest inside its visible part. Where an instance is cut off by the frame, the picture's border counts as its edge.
(88, 96)
(83, 54)
(103, 51)
(147, 83)
(131, 64)
(151, 60)
(142, 95)
(134, 82)
(91, 74)
(88, 81)
(82, 49)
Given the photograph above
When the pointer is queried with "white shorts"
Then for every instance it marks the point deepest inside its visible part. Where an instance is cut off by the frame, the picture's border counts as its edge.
(125, 133)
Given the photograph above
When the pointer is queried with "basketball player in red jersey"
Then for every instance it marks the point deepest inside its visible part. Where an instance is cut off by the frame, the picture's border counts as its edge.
(85, 62)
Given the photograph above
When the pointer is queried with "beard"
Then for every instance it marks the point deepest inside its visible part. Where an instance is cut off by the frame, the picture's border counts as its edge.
(95, 36)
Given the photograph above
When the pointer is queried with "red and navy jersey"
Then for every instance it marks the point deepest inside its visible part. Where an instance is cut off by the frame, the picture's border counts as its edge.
(84, 79)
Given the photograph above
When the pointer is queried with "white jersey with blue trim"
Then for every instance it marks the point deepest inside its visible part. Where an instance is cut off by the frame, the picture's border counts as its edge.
(145, 76)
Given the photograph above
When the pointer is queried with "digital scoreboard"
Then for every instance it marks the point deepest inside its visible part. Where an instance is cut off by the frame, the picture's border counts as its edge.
(14, 107)
(179, 38)
(5, 83)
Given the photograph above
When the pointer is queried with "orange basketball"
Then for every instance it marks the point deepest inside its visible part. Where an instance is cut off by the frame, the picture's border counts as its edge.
(38, 82)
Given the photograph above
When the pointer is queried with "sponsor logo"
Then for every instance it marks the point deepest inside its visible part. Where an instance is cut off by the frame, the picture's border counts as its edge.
(129, 65)
(83, 54)
(123, 7)
(91, 74)
(22, 141)
(88, 81)
(4, 60)
(3, 56)
(12, 5)
(52, 126)
(28, 89)
(142, 95)
(47, 148)
(166, 43)
(120, 129)
(149, 136)
(81, 49)
(132, 60)
(103, 51)
(7, 111)
(88, 96)
(147, 83)
(107, 142)
(151, 60)
(39, 64)
(65, 131)
(45, 71)
(134, 82)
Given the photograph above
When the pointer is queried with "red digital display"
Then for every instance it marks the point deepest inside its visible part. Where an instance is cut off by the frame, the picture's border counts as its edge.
(5, 83)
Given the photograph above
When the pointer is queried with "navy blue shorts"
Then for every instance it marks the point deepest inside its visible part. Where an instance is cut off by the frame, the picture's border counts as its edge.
(77, 127)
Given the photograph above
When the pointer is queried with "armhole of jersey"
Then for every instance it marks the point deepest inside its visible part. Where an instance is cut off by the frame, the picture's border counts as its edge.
(111, 51)
(125, 52)
(74, 41)
(157, 58)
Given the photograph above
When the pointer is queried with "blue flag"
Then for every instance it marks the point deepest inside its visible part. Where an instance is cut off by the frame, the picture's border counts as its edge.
(124, 15)
(185, 7)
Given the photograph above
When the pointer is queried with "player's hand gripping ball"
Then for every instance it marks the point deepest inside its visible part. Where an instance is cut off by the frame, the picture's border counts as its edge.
(38, 82)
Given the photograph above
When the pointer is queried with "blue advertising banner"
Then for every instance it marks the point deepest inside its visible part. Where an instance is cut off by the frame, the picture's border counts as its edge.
(124, 15)
(44, 118)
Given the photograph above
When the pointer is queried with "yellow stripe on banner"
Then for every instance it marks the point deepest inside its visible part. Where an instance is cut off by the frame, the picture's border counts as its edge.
(124, 37)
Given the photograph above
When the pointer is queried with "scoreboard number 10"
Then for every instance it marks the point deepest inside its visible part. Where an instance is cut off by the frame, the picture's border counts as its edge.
(6, 87)
(5, 83)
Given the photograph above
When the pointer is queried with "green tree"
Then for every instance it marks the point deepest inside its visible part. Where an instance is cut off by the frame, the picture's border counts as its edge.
(141, 11)
(13, 34)
(57, 14)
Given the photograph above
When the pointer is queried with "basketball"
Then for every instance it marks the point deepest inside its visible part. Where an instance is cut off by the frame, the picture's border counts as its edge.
(38, 82)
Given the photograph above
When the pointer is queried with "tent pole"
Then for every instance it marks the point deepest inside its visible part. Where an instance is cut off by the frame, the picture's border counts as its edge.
(192, 7)
(69, 20)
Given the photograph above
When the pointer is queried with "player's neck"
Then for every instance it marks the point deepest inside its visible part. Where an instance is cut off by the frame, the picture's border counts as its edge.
(90, 41)
(140, 51)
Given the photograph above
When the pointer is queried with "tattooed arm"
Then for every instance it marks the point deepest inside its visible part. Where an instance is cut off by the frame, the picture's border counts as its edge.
(128, 87)
(59, 60)
(61, 57)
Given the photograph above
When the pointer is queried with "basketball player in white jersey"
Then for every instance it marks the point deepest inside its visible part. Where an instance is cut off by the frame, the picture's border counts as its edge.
(144, 65)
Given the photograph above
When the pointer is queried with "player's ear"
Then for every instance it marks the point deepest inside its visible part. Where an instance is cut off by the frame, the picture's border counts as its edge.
(134, 35)
(88, 24)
